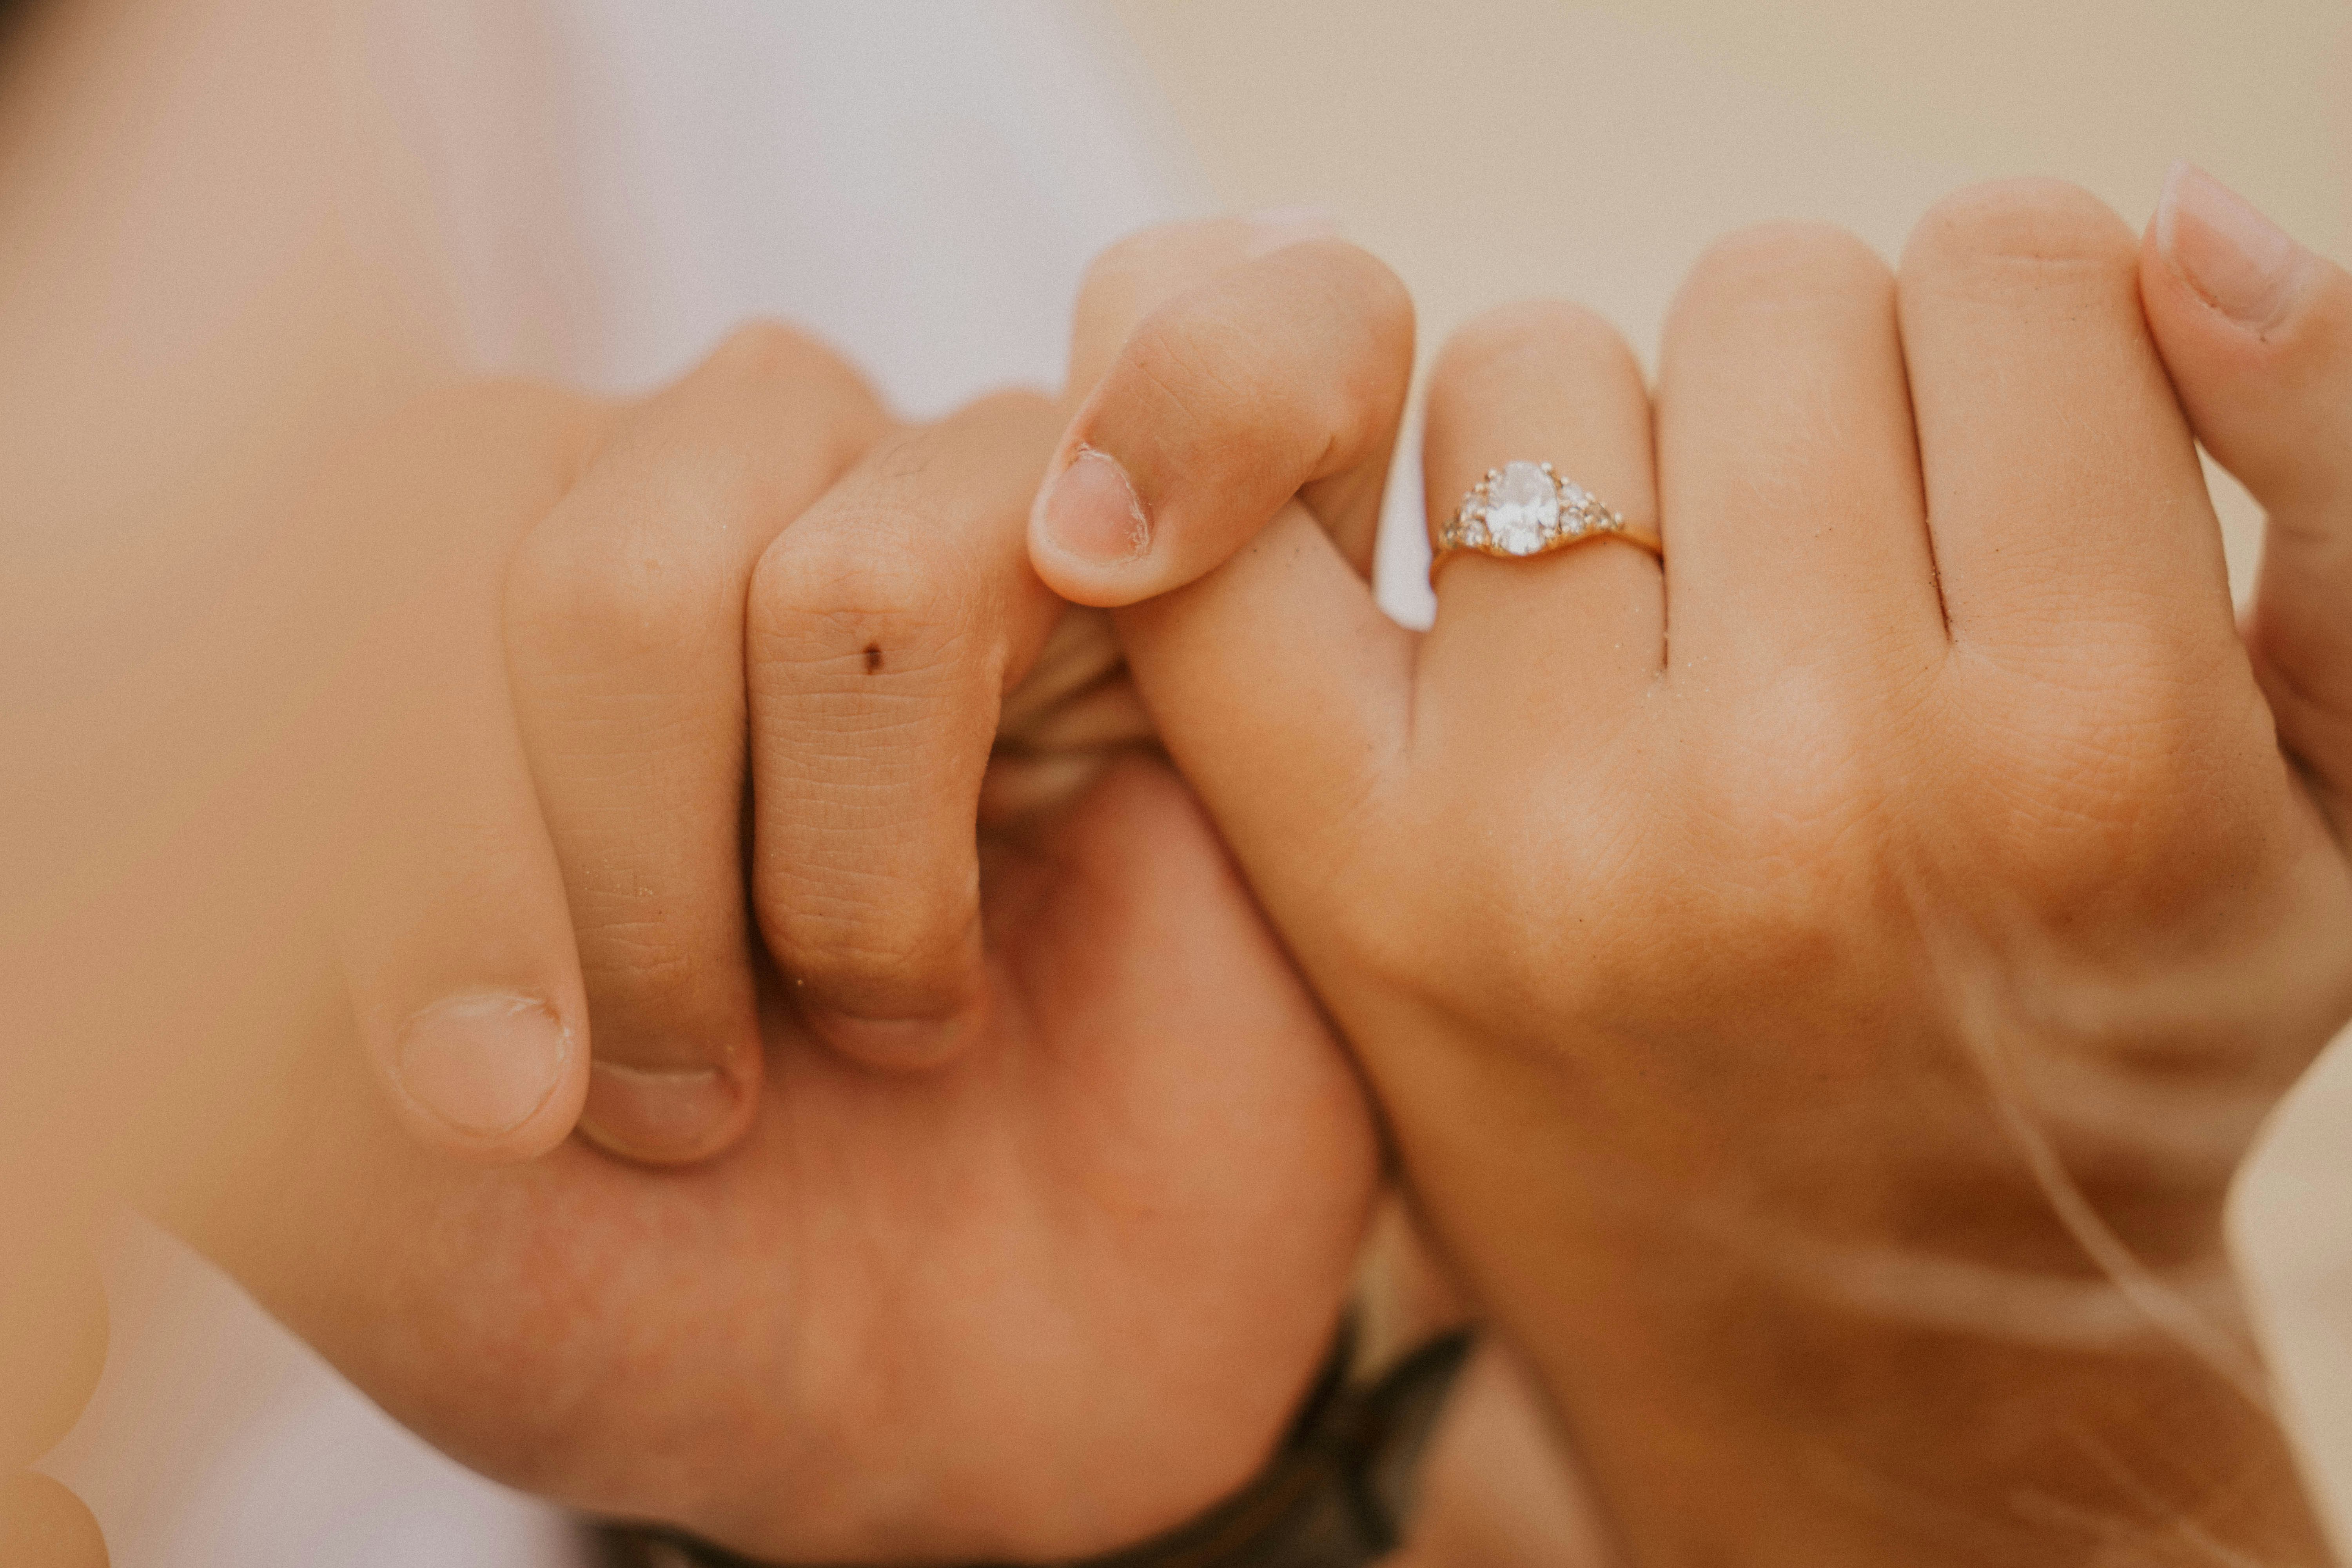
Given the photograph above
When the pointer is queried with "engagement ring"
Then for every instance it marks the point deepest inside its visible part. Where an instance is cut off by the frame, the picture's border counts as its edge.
(1524, 509)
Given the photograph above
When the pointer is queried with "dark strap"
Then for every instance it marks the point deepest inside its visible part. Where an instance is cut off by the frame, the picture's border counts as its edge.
(1337, 1493)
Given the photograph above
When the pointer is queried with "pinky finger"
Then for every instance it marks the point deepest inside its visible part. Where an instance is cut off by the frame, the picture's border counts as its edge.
(2256, 331)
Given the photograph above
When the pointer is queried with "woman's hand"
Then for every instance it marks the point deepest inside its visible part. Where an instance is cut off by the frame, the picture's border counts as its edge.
(1042, 1213)
(1821, 989)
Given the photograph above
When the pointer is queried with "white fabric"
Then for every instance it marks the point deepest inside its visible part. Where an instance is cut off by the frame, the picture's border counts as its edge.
(919, 182)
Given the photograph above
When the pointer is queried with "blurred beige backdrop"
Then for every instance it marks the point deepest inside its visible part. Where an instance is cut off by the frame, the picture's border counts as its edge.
(1495, 149)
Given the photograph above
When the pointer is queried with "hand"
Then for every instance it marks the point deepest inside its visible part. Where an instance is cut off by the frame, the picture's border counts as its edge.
(1035, 1267)
(1824, 1034)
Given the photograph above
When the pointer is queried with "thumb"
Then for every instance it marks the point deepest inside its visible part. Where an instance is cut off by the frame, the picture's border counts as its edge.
(1219, 378)
(2257, 333)
(1224, 369)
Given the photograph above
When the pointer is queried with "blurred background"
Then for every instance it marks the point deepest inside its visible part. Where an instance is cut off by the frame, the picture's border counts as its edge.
(595, 189)
(1492, 150)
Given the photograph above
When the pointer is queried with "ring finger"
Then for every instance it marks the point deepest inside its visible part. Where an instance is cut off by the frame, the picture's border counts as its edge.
(1532, 384)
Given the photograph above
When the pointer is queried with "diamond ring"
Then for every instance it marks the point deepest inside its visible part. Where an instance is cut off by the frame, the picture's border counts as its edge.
(1524, 509)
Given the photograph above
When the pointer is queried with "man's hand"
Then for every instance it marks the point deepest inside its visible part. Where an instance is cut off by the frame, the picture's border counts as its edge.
(1040, 1215)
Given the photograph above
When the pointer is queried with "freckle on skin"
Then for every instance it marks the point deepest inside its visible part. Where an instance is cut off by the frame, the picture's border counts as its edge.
(873, 658)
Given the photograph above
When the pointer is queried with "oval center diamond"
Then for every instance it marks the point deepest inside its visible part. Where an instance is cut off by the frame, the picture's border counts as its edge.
(1522, 507)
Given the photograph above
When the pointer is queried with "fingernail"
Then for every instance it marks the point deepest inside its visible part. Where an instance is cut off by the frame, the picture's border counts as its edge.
(662, 1116)
(896, 1043)
(483, 1065)
(1275, 227)
(2233, 258)
(1089, 510)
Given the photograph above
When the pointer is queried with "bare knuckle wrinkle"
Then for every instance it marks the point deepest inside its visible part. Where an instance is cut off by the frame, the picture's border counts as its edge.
(828, 405)
(2013, 238)
(2082, 799)
(854, 604)
(634, 593)
(1776, 262)
(1548, 331)
(1201, 370)
(768, 349)
(647, 962)
(868, 936)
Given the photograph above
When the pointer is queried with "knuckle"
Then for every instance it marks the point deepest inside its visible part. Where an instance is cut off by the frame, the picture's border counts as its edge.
(643, 962)
(783, 370)
(1194, 369)
(630, 593)
(852, 601)
(1133, 274)
(1527, 337)
(859, 936)
(1360, 287)
(1768, 264)
(1313, 344)
(765, 350)
(1221, 409)
(2000, 240)
(1213, 359)
(2110, 790)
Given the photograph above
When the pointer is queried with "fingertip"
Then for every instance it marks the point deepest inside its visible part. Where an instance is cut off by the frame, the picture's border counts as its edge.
(1231, 388)
(494, 1076)
(2255, 331)
(1090, 539)
(671, 1115)
(2220, 251)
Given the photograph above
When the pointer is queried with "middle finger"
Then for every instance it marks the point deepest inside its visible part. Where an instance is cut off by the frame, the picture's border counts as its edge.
(1788, 467)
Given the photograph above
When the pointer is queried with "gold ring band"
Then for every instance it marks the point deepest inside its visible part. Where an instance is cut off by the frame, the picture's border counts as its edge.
(1524, 509)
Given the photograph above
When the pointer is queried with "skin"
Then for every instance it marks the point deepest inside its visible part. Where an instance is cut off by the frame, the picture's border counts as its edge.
(1824, 1039)
(302, 752)
(138, 744)
(911, 1314)
(53, 1321)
